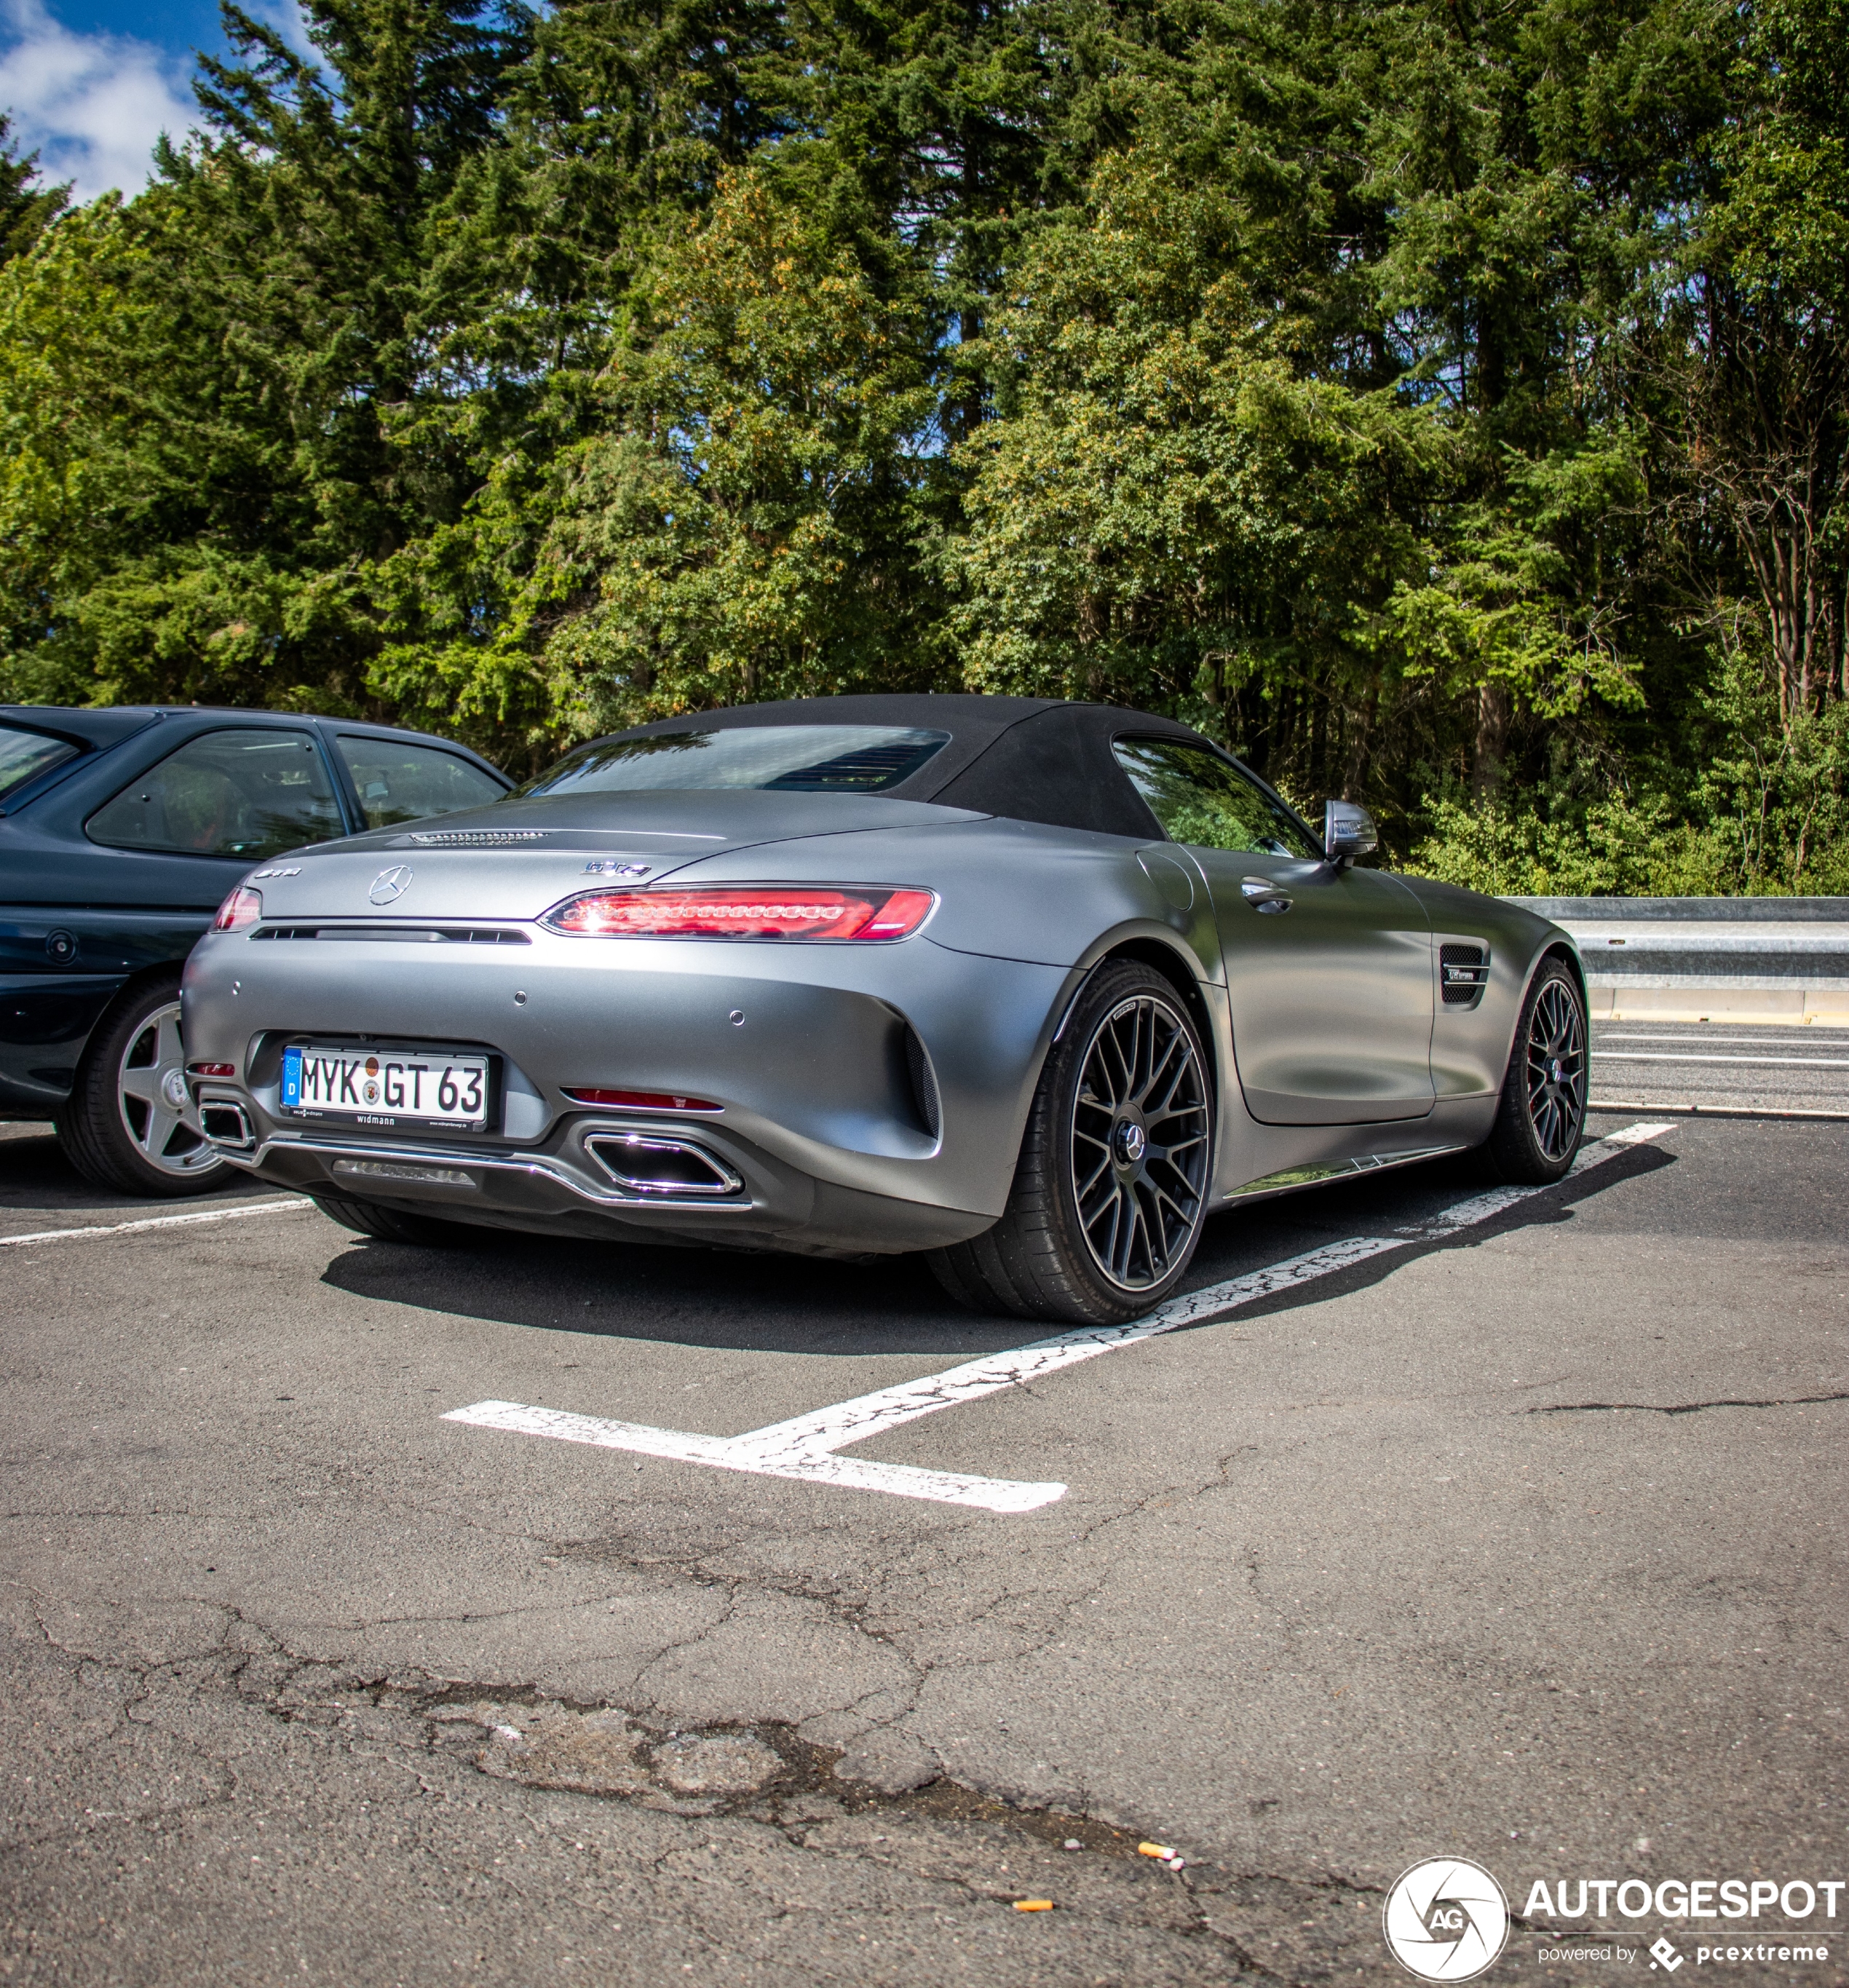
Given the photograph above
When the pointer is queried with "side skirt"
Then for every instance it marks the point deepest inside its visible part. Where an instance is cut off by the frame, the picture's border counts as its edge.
(1322, 1173)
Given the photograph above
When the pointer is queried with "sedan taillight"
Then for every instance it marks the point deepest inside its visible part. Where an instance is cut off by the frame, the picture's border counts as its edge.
(746, 911)
(243, 907)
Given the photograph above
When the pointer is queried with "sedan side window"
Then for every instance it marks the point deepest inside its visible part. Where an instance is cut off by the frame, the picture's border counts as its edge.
(243, 792)
(1201, 798)
(409, 783)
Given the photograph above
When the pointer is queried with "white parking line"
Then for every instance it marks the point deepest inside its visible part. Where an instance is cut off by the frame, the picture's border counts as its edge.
(805, 1447)
(154, 1221)
(1640, 1056)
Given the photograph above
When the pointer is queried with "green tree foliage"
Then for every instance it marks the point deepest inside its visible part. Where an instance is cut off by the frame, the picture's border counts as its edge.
(1446, 406)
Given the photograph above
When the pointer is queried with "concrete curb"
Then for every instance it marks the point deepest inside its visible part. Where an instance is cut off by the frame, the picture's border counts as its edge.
(1693, 999)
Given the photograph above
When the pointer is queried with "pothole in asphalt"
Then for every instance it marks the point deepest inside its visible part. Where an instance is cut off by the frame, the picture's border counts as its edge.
(717, 1764)
(552, 1746)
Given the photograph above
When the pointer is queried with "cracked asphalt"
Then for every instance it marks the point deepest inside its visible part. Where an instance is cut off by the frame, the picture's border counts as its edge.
(1525, 1546)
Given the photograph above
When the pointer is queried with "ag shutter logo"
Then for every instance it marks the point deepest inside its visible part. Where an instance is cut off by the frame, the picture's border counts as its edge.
(389, 884)
(1446, 1919)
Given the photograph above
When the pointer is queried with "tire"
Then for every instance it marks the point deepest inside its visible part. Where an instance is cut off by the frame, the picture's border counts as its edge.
(1111, 1190)
(129, 1125)
(1540, 1117)
(365, 1218)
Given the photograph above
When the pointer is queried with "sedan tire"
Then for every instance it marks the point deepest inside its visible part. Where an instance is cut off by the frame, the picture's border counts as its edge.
(1541, 1116)
(1111, 1187)
(129, 1125)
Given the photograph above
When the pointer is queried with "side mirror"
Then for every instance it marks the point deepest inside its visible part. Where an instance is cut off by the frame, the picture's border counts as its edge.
(1348, 831)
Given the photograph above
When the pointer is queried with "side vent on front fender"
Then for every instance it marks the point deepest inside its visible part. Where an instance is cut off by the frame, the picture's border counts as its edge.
(1463, 974)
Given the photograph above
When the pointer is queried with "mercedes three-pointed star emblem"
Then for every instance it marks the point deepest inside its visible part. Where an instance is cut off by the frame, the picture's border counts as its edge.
(390, 884)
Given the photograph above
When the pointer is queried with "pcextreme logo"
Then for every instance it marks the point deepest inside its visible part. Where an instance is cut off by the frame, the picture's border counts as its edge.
(1446, 1919)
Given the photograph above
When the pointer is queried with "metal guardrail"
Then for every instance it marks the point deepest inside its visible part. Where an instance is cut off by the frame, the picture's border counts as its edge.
(1777, 955)
(1723, 941)
(1690, 910)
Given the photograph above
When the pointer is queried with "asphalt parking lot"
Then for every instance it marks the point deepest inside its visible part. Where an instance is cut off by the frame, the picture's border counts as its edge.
(1504, 1526)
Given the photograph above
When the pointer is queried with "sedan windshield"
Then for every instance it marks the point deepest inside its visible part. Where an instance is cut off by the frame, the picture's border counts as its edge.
(787, 759)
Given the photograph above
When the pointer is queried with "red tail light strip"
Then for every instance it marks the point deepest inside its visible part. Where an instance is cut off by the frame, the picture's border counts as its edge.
(746, 911)
(642, 1100)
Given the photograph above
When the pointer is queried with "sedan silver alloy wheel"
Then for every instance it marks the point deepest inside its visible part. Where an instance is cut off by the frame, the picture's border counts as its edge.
(1556, 1070)
(1140, 1143)
(151, 1097)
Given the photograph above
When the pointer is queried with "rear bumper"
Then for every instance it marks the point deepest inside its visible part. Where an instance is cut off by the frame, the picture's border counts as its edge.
(560, 1190)
(810, 1052)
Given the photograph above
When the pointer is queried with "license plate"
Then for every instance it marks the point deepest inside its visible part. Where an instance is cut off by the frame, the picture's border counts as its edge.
(386, 1086)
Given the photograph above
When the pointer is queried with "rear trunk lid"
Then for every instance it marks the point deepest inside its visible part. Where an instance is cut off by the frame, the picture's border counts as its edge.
(516, 859)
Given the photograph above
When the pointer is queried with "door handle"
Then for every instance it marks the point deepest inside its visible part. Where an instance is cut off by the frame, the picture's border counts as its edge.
(1263, 895)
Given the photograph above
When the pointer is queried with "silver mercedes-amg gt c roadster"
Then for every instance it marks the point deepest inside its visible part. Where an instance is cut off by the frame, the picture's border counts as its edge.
(1034, 987)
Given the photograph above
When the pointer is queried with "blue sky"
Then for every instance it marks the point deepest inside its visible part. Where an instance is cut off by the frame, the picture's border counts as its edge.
(90, 84)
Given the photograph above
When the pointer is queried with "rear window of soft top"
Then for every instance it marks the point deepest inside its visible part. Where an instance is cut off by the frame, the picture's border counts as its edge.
(782, 759)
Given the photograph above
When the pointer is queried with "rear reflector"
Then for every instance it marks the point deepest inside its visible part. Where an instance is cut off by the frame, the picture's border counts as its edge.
(747, 911)
(211, 1070)
(642, 1100)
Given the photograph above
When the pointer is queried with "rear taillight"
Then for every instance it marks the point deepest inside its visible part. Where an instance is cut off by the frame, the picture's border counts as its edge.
(243, 907)
(211, 1070)
(746, 911)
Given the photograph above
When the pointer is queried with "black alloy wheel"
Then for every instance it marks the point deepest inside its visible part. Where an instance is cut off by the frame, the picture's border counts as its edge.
(1111, 1188)
(1139, 1142)
(1541, 1116)
(1556, 1070)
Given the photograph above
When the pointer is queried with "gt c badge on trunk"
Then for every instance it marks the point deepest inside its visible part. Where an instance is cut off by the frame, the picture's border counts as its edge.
(390, 884)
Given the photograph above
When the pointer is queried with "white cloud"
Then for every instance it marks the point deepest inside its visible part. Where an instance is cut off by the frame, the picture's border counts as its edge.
(286, 16)
(91, 105)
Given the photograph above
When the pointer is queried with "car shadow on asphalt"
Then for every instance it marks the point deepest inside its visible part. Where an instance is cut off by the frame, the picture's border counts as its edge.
(35, 1178)
(720, 1299)
(1546, 1208)
(723, 1299)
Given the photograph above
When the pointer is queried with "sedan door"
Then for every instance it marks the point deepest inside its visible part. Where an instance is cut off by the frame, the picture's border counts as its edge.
(1328, 970)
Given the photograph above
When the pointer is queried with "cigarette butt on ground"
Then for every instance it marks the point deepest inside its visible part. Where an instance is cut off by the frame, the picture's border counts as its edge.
(1161, 1850)
(1033, 1904)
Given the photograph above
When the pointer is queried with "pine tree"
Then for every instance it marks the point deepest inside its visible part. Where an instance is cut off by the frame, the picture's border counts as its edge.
(28, 207)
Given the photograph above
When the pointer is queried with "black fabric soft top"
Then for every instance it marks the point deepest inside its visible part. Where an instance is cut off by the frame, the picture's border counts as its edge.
(1026, 759)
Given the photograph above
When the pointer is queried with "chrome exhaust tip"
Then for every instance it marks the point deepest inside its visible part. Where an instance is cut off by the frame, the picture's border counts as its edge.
(662, 1168)
(225, 1124)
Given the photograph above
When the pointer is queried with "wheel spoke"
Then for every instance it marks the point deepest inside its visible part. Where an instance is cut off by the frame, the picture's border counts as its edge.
(1097, 1174)
(170, 1052)
(1171, 1062)
(161, 1123)
(1133, 1228)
